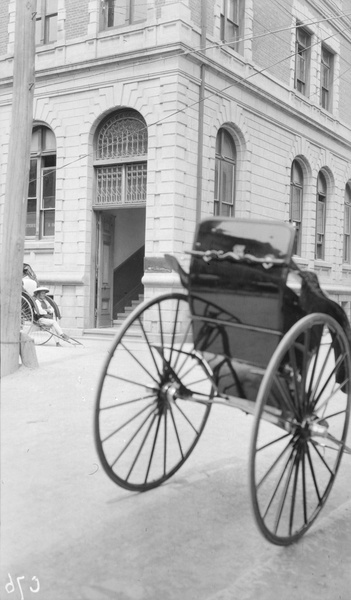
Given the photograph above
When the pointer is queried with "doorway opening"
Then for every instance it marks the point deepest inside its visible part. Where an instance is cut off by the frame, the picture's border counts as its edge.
(120, 251)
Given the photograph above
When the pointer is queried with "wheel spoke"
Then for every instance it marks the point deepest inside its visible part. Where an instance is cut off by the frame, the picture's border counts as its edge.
(292, 474)
(176, 431)
(149, 346)
(120, 404)
(275, 490)
(134, 436)
(141, 447)
(141, 364)
(321, 373)
(294, 491)
(130, 421)
(282, 501)
(333, 372)
(132, 381)
(186, 418)
(285, 395)
(153, 447)
(314, 479)
(306, 346)
(272, 467)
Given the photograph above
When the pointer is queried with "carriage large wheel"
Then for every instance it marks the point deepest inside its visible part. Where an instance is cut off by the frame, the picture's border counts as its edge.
(152, 400)
(300, 428)
(27, 315)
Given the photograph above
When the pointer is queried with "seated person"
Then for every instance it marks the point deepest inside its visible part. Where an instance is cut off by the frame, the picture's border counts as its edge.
(46, 312)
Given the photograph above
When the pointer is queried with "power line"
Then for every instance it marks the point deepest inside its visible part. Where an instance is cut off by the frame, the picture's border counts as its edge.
(188, 106)
(194, 51)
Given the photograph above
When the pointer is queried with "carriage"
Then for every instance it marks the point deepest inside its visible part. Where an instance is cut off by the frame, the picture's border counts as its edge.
(30, 319)
(250, 331)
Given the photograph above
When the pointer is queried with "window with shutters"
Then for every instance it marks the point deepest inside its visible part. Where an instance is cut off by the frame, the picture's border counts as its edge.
(296, 200)
(321, 216)
(40, 221)
(232, 23)
(46, 22)
(302, 60)
(326, 79)
(224, 174)
(347, 224)
(118, 13)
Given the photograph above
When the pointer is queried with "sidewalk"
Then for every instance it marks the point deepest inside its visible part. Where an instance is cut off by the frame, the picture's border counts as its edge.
(66, 525)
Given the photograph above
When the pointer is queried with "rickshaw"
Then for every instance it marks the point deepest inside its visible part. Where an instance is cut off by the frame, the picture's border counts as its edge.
(251, 331)
(29, 317)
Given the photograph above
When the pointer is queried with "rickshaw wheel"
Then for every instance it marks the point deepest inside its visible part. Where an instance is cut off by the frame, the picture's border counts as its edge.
(27, 315)
(153, 395)
(40, 334)
(300, 427)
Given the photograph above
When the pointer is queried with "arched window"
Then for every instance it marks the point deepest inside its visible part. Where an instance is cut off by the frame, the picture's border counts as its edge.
(320, 216)
(296, 200)
(347, 224)
(224, 174)
(121, 168)
(42, 185)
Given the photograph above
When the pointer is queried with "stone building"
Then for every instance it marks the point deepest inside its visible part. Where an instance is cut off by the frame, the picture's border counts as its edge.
(151, 114)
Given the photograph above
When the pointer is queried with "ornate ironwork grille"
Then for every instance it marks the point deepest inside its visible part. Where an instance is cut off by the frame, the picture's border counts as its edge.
(123, 140)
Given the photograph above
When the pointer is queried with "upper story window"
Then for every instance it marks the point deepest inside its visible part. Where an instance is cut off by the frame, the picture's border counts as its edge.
(296, 199)
(347, 224)
(42, 185)
(326, 78)
(232, 14)
(224, 175)
(46, 22)
(321, 216)
(121, 160)
(117, 13)
(302, 60)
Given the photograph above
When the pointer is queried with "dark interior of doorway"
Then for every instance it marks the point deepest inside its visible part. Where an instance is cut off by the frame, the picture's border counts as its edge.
(127, 284)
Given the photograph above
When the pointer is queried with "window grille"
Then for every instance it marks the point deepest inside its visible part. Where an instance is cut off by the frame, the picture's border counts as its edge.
(121, 185)
(122, 140)
(122, 136)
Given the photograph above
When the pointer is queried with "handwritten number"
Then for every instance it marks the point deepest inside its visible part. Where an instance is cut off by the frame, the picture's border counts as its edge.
(9, 585)
(38, 586)
(19, 585)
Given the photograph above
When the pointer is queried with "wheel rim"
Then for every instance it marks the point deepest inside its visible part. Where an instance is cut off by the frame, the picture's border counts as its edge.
(40, 335)
(300, 428)
(26, 315)
(151, 403)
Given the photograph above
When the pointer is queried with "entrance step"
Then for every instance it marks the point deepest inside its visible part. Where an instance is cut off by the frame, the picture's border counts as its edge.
(128, 309)
(104, 333)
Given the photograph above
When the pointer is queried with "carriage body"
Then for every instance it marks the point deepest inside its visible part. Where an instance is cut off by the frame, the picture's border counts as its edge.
(241, 308)
(241, 335)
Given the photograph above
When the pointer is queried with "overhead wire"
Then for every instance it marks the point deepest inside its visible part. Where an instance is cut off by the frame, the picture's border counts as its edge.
(197, 102)
(192, 51)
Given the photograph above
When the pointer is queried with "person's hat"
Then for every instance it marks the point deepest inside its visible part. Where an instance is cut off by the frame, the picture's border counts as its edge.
(41, 289)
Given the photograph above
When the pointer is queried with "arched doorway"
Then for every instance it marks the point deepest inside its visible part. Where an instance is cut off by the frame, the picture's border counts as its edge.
(120, 166)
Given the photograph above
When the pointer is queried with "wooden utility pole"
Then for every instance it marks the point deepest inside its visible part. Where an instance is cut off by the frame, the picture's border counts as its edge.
(16, 191)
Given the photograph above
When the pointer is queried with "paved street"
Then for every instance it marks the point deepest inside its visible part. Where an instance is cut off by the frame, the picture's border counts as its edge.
(69, 533)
